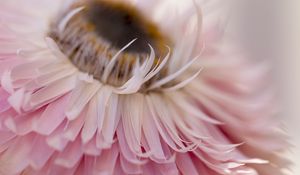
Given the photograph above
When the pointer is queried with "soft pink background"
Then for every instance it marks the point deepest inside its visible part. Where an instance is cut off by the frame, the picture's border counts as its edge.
(288, 68)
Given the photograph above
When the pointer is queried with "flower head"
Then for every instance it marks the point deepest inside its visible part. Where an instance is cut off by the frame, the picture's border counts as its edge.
(129, 87)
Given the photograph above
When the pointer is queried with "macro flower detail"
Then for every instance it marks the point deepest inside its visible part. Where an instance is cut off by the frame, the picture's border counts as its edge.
(122, 87)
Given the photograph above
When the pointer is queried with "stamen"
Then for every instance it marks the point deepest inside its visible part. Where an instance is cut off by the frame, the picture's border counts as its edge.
(64, 21)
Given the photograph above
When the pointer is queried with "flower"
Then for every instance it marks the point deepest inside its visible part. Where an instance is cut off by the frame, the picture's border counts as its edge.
(83, 93)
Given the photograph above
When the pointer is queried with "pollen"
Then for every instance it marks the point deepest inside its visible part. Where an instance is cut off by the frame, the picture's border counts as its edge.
(92, 32)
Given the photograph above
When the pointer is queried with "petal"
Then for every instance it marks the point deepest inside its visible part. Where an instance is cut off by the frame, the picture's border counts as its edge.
(53, 116)
(71, 155)
(90, 125)
(186, 165)
(111, 121)
(106, 163)
(81, 95)
(51, 92)
(16, 158)
(40, 153)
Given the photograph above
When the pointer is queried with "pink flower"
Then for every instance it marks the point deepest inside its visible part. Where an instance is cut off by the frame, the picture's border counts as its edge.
(76, 99)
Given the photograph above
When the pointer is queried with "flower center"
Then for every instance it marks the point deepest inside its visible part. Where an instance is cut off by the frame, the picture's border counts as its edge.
(92, 32)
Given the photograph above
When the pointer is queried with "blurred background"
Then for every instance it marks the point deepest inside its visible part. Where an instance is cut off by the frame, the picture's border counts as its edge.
(270, 29)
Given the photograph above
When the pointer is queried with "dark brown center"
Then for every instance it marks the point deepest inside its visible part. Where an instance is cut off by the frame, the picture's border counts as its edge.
(94, 35)
(119, 24)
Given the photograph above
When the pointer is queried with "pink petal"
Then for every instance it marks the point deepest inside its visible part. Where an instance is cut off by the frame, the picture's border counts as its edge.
(90, 125)
(40, 153)
(71, 155)
(107, 162)
(53, 116)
